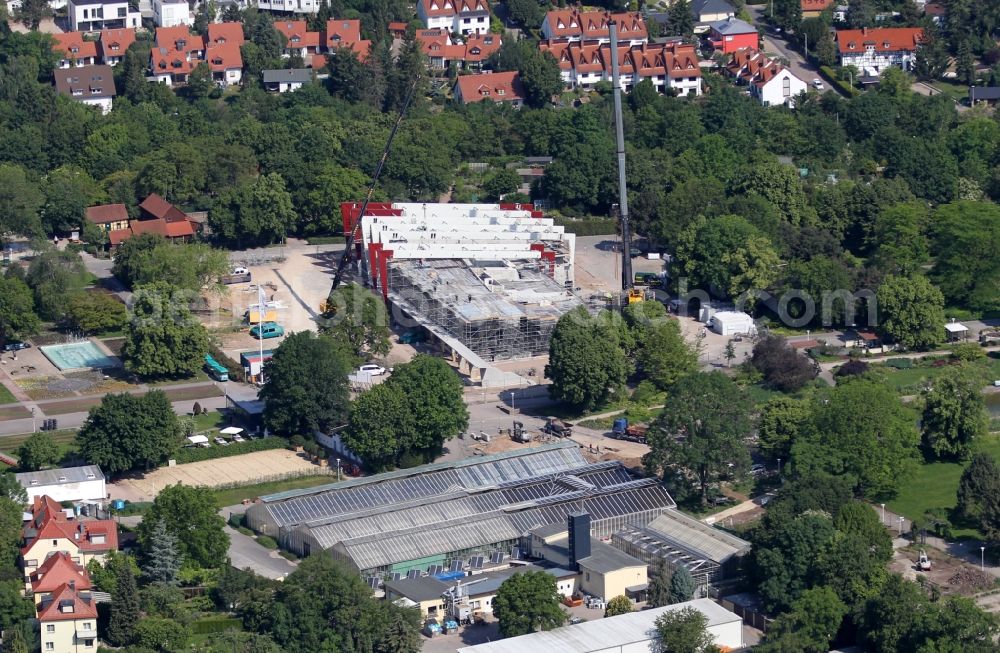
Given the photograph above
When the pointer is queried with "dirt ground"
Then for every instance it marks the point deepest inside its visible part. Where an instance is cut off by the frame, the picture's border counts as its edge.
(951, 575)
(247, 468)
(598, 264)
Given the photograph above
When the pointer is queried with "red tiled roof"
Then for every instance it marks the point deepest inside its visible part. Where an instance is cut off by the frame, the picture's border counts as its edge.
(167, 229)
(114, 42)
(72, 45)
(816, 5)
(673, 59)
(67, 604)
(221, 33)
(436, 43)
(105, 213)
(453, 7)
(179, 38)
(118, 236)
(886, 39)
(168, 60)
(935, 9)
(341, 32)
(49, 522)
(498, 87)
(594, 24)
(158, 207)
(316, 61)
(397, 27)
(297, 34)
(221, 58)
(58, 569)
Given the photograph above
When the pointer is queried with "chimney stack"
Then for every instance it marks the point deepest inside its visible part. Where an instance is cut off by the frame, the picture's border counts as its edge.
(579, 538)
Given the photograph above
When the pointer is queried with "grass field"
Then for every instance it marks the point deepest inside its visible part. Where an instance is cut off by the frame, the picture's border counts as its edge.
(910, 381)
(933, 489)
(65, 440)
(236, 495)
(5, 396)
(208, 421)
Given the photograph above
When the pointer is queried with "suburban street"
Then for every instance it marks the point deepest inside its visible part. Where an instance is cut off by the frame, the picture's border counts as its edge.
(778, 47)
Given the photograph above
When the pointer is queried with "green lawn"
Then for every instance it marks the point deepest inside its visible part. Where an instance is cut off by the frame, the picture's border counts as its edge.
(5, 396)
(208, 421)
(933, 489)
(65, 440)
(233, 496)
(910, 381)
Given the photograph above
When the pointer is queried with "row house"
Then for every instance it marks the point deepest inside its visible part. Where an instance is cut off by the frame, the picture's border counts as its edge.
(490, 87)
(669, 66)
(442, 52)
(74, 50)
(67, 620)
(300, 7)
(873, 50)
(313, 46)
(90, 85)
(456, 16)
(177, 52)
(51, 531)
(769, 82)
(576, 25)
(95, 15)
(298, 39)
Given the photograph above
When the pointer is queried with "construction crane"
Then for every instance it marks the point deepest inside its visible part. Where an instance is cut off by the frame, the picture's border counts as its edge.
(632, 294)
(355, 221)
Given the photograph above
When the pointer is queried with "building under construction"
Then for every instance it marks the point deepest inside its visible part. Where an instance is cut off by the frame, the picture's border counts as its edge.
(489, 281)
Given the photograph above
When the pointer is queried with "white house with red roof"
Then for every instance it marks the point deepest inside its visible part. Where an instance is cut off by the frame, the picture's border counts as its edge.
(298, 39)
(226, 63)
(343, 33)
(768, 80)
(672, 67)
(52, 531)
(224, 33)
(493, 87)
(67, 620)
(73, 50)
(442, 51)
(57, 570)
(456, 16)
(572, 24)
(113, 44)
(873, 50)
(175, 54)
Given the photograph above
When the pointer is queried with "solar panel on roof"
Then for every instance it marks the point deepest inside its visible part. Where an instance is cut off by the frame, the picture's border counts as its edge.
(496, 558)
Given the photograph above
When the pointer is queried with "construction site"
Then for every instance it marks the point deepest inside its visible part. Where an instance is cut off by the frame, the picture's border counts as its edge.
(488, 281)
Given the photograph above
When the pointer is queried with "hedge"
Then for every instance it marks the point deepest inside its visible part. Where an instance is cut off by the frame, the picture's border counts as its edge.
(235, 369)
(325, 240)
(211, 626)
(900, 363)
(589, 226)
(267, 542)
(197, 454)
(831, 77)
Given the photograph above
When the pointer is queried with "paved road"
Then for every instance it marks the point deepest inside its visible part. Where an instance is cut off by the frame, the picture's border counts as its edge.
(774, 46)
(245, 553)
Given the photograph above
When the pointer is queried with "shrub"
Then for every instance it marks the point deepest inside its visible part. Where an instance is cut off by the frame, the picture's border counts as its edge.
(968, 351)
(900, 363)
(197, 454)
(243, 530)
(852, 368)
(237, 519)
(297, 441)
(215, 625)
(589, 226)
(267, 542)
(325, 240)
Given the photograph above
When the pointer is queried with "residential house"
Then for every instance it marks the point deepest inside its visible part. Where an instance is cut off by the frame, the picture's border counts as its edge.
(91, 85)
(496, 87)
(94, 15)
(442, 52)
(345, 34)
(937, 12)
(397, 29)
(171, 13)
(871, 51)
(285, 80)
(226, 63)
(109, 217)
(769, 81)
(175, 54)
(224, 33)
(113, 44)
(57, 570)
(78, 484)
(671, 67)
(298, 39)
(52, 531)
(289, 6)
(707, 12)
(728, 36)
(73, 50)
(986, 94)
(813, 8)
(67, 620)
(575, 25)
(157, 216)
(456, 16)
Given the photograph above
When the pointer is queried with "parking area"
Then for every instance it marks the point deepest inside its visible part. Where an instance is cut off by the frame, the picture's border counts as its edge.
(243, 469)
(598, 264)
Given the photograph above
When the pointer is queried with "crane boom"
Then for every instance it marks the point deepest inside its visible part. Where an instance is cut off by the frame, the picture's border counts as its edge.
(349, 236)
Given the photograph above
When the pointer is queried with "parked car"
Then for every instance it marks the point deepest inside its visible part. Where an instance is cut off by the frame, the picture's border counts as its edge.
(373, 369)
(757, 469)
(238, 438)
(818, 84)
(267, 330)
(16, 345)
(221, 442)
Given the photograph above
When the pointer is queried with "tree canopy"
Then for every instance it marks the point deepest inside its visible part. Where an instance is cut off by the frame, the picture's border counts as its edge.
(163, 339)
(128, 432)
(191, 518)
(528, 602)
(586, 361)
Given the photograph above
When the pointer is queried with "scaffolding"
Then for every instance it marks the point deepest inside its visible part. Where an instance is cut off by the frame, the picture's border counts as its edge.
(498, 309)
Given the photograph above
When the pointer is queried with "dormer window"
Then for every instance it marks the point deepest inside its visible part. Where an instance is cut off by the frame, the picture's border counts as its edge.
(500, 91)
(181, 44)
(34, 481)
(851, 45)
(886, 45)
(74, 49)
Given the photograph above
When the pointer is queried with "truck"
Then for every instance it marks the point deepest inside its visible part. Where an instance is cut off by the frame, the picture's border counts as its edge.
(558, 428)
(519, 434)
(622, 430)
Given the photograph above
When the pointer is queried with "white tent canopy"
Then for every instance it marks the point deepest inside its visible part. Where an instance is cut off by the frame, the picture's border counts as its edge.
(955, 327)
(231, 430)
(197, 439)
(730, 323)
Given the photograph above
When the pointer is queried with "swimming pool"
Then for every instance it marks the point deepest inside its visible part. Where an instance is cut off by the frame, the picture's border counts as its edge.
(76, 355)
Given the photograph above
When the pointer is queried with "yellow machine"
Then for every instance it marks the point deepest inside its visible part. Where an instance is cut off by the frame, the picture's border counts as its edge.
(635, 296)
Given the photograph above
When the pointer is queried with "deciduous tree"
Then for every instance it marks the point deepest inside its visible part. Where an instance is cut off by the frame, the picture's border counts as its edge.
(586, 361)
(528, 602)
(619, 605)
(191, 516)
(54, 276)
(664, 355)
(979, 493)
(17, 309)
(911, 311)
(810, 625)
(781, 422)
(966, 246)
(37, 452)
(95, 312)
(700, 433)
(954, 414)
(127, 432)
(684, 631)
(783, 367)
(356, 316)
(257, 212)
(306, 385)
(379, 418)
(163, 339)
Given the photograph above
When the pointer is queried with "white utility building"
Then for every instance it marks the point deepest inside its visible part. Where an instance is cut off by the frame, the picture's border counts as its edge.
(78, 484)
(626, 633)
(733, 323)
